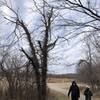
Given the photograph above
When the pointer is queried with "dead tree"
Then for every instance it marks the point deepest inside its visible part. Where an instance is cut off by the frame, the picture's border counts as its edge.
(85, 67)
(9, 68)
(89, 16)
(38, 56)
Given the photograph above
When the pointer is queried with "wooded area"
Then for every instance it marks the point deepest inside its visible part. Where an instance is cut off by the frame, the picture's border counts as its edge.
(27, 39)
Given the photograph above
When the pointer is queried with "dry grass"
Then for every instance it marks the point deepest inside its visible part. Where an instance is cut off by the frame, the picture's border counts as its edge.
(58, 80)
(53, 95)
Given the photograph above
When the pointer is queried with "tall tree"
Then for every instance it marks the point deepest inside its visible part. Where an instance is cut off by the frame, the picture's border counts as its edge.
(38, 48)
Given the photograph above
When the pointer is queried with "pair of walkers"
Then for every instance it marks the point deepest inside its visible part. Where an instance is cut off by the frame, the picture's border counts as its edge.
(75, 92)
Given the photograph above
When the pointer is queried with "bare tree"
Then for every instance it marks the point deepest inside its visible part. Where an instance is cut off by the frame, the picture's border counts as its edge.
(38, 49)
(88, 21)
(87, 67)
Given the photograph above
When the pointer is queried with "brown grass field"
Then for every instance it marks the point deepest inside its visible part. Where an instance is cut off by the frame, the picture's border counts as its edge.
(58, 88)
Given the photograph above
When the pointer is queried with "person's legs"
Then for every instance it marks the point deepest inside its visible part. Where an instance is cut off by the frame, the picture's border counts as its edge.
(86, 98)
(74, 98)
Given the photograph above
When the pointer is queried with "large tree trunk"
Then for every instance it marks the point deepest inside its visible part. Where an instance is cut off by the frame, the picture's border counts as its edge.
(44, 72)
(44, 86)
(39, 87)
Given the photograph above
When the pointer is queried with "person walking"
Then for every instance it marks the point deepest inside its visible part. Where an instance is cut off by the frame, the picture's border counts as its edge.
(74, 91)
(88, 94)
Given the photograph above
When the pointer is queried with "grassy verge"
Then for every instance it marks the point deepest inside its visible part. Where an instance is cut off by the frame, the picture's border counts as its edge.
(53, 95)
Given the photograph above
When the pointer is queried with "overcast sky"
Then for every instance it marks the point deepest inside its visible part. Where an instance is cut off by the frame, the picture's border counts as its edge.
(66, 53)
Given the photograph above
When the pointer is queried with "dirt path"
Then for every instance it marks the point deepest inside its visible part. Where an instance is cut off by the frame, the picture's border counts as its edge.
(63, 88)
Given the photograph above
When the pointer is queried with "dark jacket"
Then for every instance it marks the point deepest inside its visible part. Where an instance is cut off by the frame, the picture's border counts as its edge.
(74, 90)
(88, 94)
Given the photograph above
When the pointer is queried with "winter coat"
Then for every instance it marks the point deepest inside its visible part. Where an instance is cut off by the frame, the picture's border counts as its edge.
(88, 94)
(75, 92)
